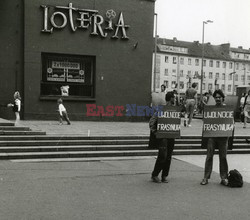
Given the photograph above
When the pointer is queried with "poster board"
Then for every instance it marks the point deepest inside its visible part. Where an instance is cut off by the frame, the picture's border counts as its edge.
(218, 121)
(168, 123)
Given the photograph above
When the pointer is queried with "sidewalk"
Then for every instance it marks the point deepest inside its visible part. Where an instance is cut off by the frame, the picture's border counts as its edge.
(98, 128)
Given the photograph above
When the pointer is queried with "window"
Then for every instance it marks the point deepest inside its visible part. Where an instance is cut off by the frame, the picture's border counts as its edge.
(237, 66)
(210, 86)
(166, 59)
(189, 61)
(196, 62)
(230, 76)
(224, 64)
(217, 86)
(166, 72)
(211, 64)
(196, 75)
(71, 71)
(174, 72)
(217, 75)
(181, 85)
(248, 77)
(173, 85)
(229, 88)
(210, 76)
(236, 77)
(242, 78)
(181, 73)
(223, 76)
(223, 87)
(230, 65)
(204, 62)
(174, 60)
(166, 83)
(181, 60)
(217, 64)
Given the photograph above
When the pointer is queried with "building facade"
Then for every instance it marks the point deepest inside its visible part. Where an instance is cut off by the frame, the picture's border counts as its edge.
(178, 65)
(94, 54)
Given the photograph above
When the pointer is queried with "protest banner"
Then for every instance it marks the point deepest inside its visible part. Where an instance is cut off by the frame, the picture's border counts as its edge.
(168, 124)
(218, 121)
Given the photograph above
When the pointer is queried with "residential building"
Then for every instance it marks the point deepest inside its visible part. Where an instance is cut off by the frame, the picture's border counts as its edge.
(178, 65)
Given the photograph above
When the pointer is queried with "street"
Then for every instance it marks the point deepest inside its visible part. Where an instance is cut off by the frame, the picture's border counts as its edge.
(115, 189)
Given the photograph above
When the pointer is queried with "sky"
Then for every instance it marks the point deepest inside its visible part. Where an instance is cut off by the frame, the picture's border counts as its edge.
(183, 19)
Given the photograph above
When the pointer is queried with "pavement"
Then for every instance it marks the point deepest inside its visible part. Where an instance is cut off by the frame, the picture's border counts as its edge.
(120, 188)
(100, 128)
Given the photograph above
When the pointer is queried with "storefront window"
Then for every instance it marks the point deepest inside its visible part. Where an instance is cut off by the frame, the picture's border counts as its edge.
(67, 75)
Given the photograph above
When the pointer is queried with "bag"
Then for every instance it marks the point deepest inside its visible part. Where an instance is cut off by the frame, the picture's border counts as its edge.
(235, 179)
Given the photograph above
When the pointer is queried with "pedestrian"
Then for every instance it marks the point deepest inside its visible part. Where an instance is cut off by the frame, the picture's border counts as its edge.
(62, 112)
(242, 101)
(163, 88)
(222, 144)
(165, 147)
(204, 101)
(246, 109)
(16, 107)
(191, 101)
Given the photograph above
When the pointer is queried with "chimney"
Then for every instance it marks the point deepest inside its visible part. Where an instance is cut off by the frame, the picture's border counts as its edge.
(240, 47)
(175, 39)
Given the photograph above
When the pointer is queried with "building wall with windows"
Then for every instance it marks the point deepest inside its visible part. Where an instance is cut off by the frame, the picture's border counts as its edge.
(179, 62)
(99, 51)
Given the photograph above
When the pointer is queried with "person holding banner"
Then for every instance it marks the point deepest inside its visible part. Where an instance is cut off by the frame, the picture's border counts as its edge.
(165, 146)
(219, 125)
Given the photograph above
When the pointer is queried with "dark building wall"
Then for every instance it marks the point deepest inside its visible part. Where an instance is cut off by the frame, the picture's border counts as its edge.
(122, 72)
(11, 53)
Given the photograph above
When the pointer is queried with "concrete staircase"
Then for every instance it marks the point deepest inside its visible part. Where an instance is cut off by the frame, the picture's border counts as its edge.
(21, 143)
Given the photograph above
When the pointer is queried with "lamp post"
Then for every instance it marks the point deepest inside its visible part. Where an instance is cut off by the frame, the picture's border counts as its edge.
(155, 52)
(202, 56)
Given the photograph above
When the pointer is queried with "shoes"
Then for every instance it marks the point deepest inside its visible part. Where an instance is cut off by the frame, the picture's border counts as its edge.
(69, 123)
(204, 182)
(224, 182)
(189, 125)
(155, 179)
(244, 126)
(164, 179)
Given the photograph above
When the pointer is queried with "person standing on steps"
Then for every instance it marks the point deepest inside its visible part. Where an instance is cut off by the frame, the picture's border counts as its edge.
(16, 107)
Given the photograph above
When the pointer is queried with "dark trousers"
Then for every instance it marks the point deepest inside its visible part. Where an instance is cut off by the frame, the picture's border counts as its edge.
(163, 161)
(221, 143)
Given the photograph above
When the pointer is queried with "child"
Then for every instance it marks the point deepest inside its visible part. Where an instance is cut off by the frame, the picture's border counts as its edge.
(62, 112)
(16, 107)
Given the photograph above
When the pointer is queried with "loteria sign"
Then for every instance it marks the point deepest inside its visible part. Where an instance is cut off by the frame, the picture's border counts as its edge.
(58, 17)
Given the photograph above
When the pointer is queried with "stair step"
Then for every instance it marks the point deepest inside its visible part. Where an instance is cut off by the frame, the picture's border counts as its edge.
(21, 133)
(87, 154)
(11, 128)
(70, 142)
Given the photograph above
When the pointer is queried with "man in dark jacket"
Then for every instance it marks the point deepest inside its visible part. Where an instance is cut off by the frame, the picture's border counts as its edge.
(165, 146)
